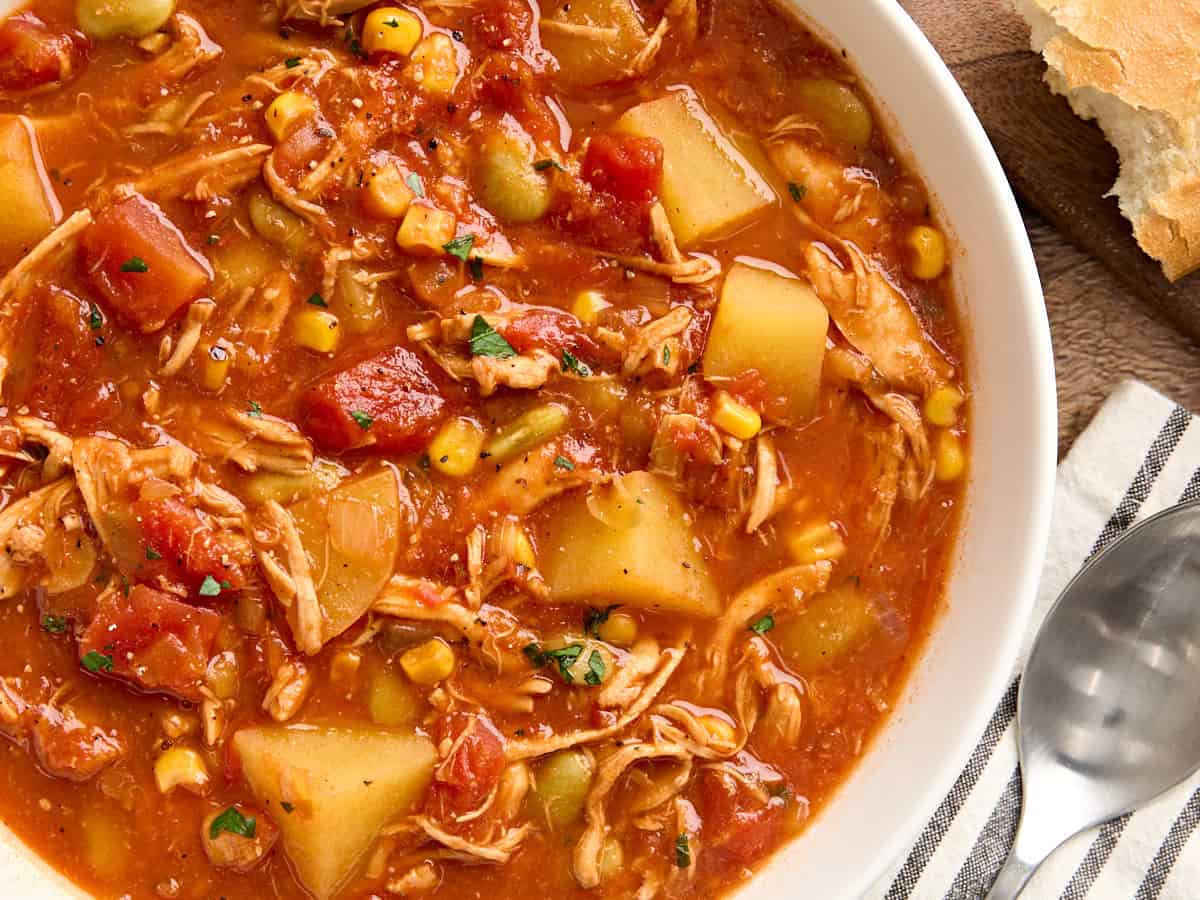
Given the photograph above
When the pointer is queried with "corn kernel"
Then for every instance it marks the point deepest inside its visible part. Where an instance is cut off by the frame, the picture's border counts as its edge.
(181, 767)
(316, 330)
(950, 459)
(927, 260)
(429, 663)
(735, 418)
(434, 64)
(343, 668)
(391, 29)
(387, 194)
(587, 306)
(286, 110)
(425, 229)
(941, 408)
(814, 543)
(719, 730)
(619, 628)
(455, 448)
(215, 364)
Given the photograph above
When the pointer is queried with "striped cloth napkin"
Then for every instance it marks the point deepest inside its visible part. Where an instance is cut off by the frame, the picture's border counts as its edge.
(1139, 455)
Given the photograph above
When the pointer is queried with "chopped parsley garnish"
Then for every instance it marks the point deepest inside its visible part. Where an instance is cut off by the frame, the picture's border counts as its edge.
(352, 43)
(763, 625)
(292, 62)
(683, 852)
(543, 164)
(424, 461)
(255, 410)
(151, 553)
(95, 320)
(595, 672)
(666, 355)
(413, 180)
(135, 264)
(562, 462)
(362, 420)
(287, 807)
(571, 363)
(393, 22)
(460, 247)
(54, 624)
(797, 191)
(475, 267)
(234, 822)
(594, 618)
(485, 341)
(317, 300)
(94, 661)
(210, 587)
(564, 657)
(779, 789)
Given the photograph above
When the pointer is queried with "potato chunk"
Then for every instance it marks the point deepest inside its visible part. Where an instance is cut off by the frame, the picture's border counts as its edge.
(351, 535)
(772, 324)
(641, 554)
(708, 187)
(29, 210)
(587, 59)
(341, 786)
(832, 626)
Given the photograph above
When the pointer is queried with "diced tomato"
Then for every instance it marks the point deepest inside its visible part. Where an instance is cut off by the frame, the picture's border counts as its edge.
(628, 167)
(143, 265)
(549, 329)
(503, 24)
(69, 748)
(508, 83)
(187, 546)
(737, 825)
(32, 55)
(65, 383)
(304, 143)
(465, 779)
(389, 401)
(151, 639)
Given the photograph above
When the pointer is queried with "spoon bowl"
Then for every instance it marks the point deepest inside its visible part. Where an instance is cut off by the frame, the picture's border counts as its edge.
(1107, 711)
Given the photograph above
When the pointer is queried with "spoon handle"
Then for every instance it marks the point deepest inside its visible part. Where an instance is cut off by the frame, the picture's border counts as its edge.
(1013, 876)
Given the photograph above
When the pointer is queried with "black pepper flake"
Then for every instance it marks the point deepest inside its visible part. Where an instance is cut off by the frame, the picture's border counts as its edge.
(433, 144)
(457, 35)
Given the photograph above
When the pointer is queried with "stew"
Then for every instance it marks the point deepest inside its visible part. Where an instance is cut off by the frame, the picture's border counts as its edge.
(455, 449)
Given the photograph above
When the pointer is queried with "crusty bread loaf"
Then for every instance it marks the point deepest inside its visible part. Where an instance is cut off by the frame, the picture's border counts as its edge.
(1134, 66)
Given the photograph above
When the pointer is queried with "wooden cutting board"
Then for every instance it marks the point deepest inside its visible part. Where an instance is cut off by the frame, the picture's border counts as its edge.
(1058, 164)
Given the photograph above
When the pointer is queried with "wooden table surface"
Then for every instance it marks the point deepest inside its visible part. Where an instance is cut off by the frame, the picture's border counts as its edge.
(1102, 333)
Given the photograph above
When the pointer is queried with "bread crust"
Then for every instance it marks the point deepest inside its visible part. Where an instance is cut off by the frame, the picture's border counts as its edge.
(1146, 54)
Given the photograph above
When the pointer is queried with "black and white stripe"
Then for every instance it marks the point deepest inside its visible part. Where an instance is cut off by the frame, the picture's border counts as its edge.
(983, 862)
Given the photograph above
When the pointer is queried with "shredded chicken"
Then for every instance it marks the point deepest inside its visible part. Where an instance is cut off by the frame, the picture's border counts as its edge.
(889, 456)
(665, 456)
(525, 483)
(525, 748)
(201, 175)
(170, 117)
(651, 346)
(684, 14)
(781, 589)
(288, 690)
(417, 880)
(766, 483)
(628, 681)
(498, 850)
(877, 320)
(57, 444)
(191, 49)
(287, 196)
(918, 464)
(496, 633)
(286, 567)
(586, 861)
(198, 313)
(254, 441)
(526, 371)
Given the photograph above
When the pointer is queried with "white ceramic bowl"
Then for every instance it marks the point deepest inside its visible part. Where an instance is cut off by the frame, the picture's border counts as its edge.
(966, 664)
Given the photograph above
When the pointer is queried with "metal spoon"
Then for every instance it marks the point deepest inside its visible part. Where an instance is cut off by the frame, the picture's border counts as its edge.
(1106, 715)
